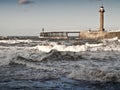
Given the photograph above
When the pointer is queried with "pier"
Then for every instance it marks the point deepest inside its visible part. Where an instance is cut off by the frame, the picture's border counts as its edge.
(82, 34)
(60, 35)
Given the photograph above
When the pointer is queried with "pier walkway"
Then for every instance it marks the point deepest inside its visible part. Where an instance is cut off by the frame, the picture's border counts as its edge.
(60, 35)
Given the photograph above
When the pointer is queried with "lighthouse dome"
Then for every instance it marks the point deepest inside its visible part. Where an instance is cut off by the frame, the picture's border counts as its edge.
(102, 9)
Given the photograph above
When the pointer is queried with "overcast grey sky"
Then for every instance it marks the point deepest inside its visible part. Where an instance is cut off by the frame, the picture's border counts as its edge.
(28, 18)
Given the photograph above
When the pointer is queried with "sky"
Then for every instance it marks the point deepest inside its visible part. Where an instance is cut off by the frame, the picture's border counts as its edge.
(20, 17)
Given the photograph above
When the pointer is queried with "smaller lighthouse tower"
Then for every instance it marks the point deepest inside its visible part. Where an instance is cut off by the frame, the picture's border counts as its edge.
(101, 29)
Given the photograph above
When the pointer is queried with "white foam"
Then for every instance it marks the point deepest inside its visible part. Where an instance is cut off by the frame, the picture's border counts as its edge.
(112, 39)
(43, 48)
(15, 41)
(79, 48)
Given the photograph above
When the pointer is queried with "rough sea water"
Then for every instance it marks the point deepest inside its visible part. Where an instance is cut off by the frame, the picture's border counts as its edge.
(60, 65)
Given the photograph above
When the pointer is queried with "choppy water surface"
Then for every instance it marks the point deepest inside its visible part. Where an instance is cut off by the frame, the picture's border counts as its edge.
(60, 65)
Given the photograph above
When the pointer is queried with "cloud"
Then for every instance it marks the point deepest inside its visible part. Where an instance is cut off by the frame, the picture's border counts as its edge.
(24, 1)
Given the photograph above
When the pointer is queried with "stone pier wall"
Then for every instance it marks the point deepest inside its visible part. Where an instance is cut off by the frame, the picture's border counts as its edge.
(98, 35)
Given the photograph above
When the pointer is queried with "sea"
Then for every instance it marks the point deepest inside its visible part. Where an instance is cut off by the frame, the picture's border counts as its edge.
(44, 64)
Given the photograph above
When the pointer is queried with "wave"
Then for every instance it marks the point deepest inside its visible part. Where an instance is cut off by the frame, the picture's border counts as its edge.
(106, 46)
(93, 62)
(92, 66)
(15, 41)
(45, 48)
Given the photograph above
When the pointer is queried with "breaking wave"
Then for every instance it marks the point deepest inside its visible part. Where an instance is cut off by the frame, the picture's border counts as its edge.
(93, 62)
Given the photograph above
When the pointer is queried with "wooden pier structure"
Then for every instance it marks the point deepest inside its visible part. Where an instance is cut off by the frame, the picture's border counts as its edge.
(60, 35)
